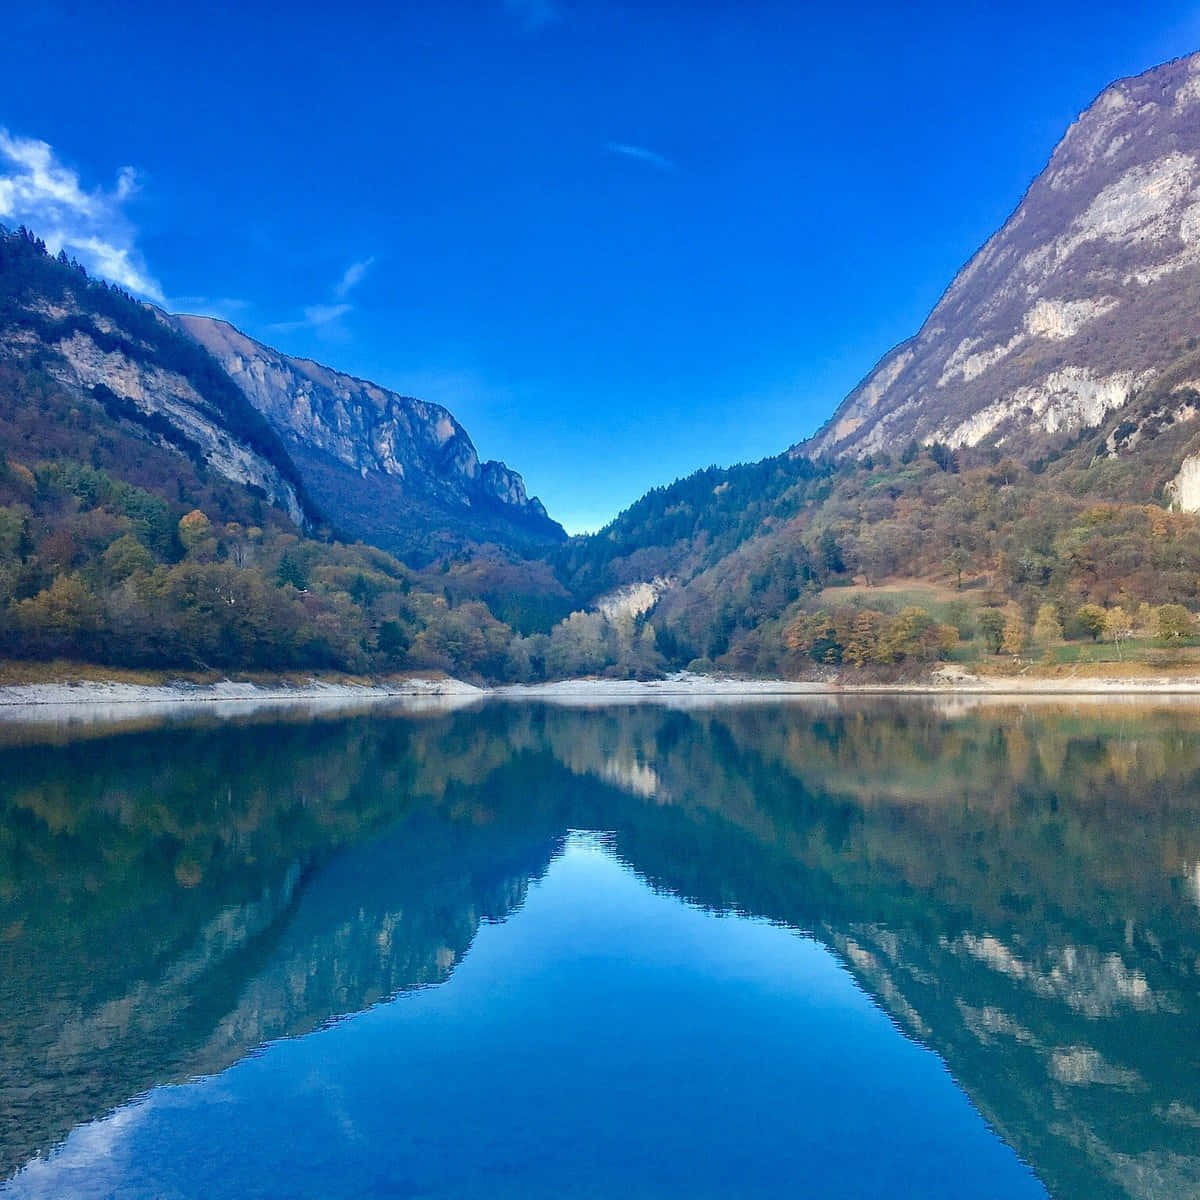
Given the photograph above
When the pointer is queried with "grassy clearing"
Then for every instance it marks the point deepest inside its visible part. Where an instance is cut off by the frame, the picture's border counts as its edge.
(1146, 650)
(1081, 660)
(944, 604)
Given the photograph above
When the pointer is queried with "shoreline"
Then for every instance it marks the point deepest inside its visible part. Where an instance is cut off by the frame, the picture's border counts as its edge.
(77, 693)
(73, 694)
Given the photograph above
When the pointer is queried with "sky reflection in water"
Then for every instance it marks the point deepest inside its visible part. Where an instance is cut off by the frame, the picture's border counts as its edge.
(825, 947)
(604, 1040)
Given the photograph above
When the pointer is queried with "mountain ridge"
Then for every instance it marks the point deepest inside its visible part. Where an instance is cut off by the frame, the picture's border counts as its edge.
(396, 469)
(1059, 316)
(330, 450)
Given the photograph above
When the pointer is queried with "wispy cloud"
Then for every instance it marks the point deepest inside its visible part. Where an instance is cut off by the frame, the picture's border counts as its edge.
(352, 276)
(39, 191)
(533, 15)
(641, 154)
(324, 317)
(224, 308)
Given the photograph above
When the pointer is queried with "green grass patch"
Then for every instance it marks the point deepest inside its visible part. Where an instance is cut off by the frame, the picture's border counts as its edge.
(1146, 650)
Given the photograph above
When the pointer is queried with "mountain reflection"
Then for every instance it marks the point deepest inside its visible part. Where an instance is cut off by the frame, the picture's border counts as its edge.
(1018, 888)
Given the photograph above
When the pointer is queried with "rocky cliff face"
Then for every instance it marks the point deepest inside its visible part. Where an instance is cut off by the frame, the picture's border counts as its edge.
(105, 347)
(388, 468)
(329, 450)
(173, 397)
(1090, 289)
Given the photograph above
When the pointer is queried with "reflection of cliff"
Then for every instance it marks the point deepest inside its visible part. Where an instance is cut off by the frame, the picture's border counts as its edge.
(170, 900)
(1017, 890)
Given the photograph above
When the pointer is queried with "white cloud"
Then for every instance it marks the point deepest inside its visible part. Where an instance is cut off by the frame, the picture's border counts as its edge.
(97, 1151)
(326, 319)
(38, 191)
(641, 154)
(317, 316)
(533, 15)
(352, 276)
(223, 308)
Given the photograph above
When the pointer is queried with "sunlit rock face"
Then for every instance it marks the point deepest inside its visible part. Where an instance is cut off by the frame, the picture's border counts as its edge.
(1184, 489)
(1089, 289)
(167, 394)
(92, 355)
(384, 467)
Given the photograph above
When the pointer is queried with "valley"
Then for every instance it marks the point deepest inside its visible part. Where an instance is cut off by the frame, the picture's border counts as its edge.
(1012, 491)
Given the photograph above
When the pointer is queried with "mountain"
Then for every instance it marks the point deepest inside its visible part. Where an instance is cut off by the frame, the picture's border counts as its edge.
(388, 469)
(1088, 291)
(329, 450)
(1033, 450)
(151, 516)
(118, 358)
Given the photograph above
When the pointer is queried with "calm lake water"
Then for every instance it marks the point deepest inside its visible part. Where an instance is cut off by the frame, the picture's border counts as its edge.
(808, 948)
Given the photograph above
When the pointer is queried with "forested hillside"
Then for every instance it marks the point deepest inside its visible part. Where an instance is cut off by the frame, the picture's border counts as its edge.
(1016, 479)
(150, 515)
(96, 340)
(123, 542)
(784, 565)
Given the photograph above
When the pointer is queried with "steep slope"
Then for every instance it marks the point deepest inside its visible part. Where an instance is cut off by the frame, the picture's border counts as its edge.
(394, 471)
(104, 347)
(1055, 389)
(1089, 289)
(150, 516)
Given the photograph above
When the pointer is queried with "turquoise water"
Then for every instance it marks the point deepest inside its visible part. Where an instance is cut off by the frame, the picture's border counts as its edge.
(521, 951)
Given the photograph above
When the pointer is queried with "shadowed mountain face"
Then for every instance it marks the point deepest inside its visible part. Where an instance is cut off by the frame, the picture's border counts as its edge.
(1018, 889)
(1087, 293)
(393, 471)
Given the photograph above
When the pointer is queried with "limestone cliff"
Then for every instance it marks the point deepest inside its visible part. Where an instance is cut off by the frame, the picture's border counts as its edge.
(106, 348)
(388, 468)
(1088, 291)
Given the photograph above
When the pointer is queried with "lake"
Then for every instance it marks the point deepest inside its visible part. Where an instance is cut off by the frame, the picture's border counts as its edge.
(817, 947)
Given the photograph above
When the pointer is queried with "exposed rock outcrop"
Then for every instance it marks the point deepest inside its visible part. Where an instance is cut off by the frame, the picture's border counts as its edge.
(111, 349)
(1089, 289)
(388, 468)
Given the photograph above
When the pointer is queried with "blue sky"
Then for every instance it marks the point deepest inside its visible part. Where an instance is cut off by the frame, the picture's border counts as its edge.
(619, 242)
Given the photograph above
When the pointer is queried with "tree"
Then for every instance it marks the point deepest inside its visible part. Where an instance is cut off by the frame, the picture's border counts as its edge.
(862, 637)
(194, 527)
(14, 525)
(813, 634)
(291, 570)
(125, 556)
(1118, 627)
(1090, 618)
(1143, 620)
(991, 625)
(829, 553)
(1015, 637)
(956, 560)
(1047, 628)
(61, 619)
(393, 642)
(943, 456)
(1173, 622)
(875, 554)
(915, 636)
